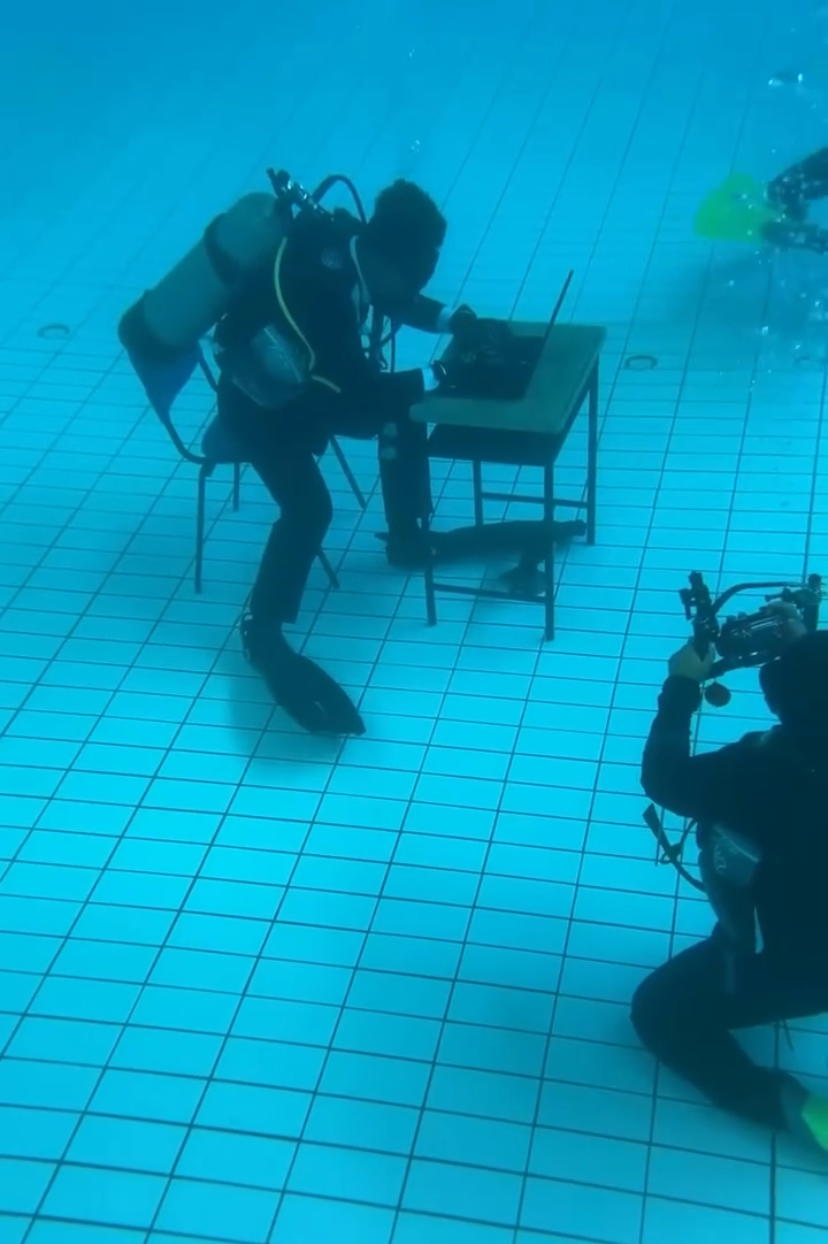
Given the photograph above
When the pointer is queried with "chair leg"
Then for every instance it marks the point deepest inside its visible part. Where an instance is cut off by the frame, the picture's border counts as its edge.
(592, 457)
(549, 559)
(203, 475)
(236, 485)
(329, 570)
(348, 473)
(477, 486)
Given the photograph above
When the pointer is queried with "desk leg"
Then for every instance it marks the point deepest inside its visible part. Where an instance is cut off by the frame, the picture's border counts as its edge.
(428, 577)
(592, 456)
(549, 549)
(477, 486)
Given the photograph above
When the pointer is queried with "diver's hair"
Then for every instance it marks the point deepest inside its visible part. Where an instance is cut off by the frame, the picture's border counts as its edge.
(796, 684)
(406, 225)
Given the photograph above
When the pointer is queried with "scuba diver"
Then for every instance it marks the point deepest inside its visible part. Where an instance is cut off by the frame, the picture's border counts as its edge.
(790, 193)
(760, 809)
(298, 298)
(744, 209)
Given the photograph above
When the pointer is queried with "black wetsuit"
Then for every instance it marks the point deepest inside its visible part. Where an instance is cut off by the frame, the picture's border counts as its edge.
(792, 191)
(771, 789)
(346, 393)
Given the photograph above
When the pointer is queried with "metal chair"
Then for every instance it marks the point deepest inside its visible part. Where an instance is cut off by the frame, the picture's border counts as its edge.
(218, 448)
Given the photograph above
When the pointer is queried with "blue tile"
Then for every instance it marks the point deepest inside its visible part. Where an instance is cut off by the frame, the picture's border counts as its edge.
(162, 1050)
(121, 1198)
(397, 1081)
(138, 1146)
(194, 1009)
(303, 982)
(434, 884)
(598, 1212)
(13, 1229)
(76, 998)
(445, 852)
(486, 1093)
(23, 1182)
(326, 1170)
(622, 1115)
(243, 1214)
(473, 1142)
(362, 1124)
(49, 881)
(442, 1187)
(413, 1228)
(410, 995)
(305, 944)
(231, 898)
(286, 1021)
(302, 1219)
(60, 1040)
(230, 934)
(254, 1108)
(344, 911)
(274, 1063)
(225, 973)
(256, 1161)
(492, 1048)
(179, 826)
(577, 1156)
(17, 989)
(699, 1224)
(435, 920)
(518, 931)
(111, 961)
(425, 956)
(27, 1133)
(374, 1032)
(142, 1095)
(57, 1086)
(152, 890)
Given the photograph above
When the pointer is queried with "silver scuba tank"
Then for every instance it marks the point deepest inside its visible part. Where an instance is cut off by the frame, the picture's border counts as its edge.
(175, 314)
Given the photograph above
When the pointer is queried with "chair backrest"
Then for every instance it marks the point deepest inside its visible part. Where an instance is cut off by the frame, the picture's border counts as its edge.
(169, 427)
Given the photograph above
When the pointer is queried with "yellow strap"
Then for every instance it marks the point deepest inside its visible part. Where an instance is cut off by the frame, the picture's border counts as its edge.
(283, 307)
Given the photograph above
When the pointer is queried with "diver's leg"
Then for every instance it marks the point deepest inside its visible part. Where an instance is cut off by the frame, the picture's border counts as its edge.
(283, 457)
(406, 487)
(800, 185)
(685, 1012)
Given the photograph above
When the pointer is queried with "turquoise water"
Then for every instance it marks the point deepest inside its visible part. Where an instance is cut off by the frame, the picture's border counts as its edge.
(258, 987)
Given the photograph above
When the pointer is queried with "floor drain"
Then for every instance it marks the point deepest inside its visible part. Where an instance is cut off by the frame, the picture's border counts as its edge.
(641, 362)
(54, 332)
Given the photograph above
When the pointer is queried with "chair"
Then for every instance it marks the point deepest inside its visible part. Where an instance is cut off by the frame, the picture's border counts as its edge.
(530, 431)
(218, 448)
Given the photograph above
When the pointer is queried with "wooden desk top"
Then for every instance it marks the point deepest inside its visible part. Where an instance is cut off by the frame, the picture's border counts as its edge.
(559, 382)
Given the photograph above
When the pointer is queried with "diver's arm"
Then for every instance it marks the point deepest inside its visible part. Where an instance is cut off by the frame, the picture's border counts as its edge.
(426, 314)
(701, 787)
(340, 363)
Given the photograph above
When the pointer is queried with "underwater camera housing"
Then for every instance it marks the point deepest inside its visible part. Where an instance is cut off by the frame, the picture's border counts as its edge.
(746, 639)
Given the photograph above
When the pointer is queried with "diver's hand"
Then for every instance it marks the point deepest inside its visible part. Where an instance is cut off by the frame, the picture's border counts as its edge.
(463, 327)
(686, 663)
(450, 373)
(794, 627)
(475, 334)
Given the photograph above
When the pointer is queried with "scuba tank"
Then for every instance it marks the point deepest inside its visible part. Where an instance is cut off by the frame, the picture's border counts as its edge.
(173, 316)
(162, 331)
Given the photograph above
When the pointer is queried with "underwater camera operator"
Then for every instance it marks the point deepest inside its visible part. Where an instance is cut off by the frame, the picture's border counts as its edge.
(759, 807)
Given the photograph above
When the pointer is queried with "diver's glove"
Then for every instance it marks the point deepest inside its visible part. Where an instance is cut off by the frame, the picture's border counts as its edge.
(307, 694)
(464, 327)
(452, 374)
(473, 334)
